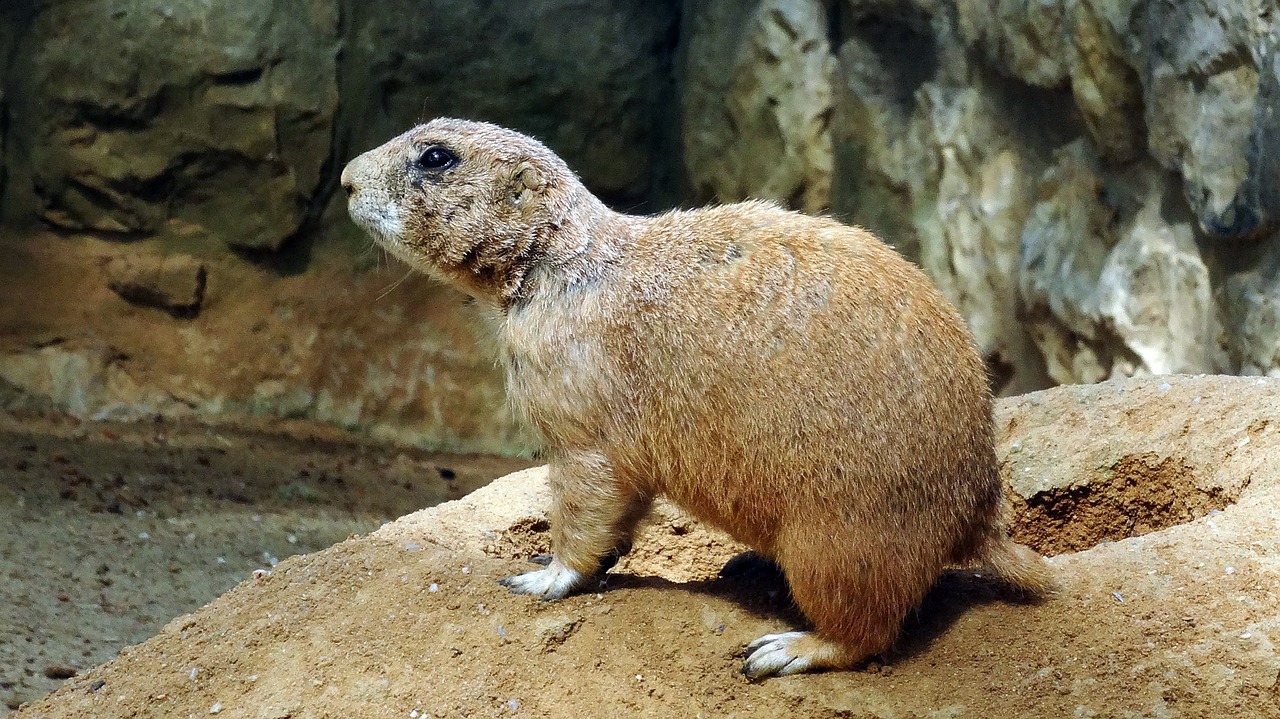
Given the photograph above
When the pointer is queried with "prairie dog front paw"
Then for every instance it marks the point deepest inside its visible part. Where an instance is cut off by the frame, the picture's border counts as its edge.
(554, 582)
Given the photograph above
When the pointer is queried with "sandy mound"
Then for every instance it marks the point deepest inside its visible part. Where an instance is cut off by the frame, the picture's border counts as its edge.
(409, 621)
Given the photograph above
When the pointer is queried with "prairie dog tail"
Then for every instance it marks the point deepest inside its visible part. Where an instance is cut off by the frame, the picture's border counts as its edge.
(1018, 565)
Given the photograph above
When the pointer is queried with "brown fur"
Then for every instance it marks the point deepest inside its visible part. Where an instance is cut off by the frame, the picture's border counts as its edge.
(786, 378)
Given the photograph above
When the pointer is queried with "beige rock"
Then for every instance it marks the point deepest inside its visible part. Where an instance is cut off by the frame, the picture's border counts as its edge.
(756, 101)
(393, 357)
(980, 197)
(1154, 292)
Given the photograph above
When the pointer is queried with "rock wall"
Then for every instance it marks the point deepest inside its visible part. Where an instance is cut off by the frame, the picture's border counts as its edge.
(172, 241)
(207, 123)
(1092, 182)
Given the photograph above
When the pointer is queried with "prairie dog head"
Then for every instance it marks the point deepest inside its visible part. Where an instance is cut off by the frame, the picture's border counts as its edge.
(471, 203)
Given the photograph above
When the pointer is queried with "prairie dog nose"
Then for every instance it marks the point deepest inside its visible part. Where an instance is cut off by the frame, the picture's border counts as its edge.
(348, 184)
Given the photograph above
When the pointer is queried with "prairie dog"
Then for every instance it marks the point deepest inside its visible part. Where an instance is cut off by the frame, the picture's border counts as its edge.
(786, 378)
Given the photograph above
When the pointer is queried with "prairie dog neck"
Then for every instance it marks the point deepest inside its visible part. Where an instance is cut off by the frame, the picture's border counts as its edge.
(579, 247)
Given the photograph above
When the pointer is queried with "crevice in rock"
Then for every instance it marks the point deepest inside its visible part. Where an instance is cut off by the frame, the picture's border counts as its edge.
(1040, 119)
(247, 76)
(907, 53)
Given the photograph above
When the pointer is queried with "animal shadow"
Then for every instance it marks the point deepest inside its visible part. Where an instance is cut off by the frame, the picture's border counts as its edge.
(758, 586)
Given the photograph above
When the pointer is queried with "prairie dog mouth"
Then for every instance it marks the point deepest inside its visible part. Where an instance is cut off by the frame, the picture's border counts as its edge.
(383, 221)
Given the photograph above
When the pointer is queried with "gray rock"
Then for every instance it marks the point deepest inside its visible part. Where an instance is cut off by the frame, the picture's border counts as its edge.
(1200, 74)
(197, 120)
(1064, 247)
(1201, 127)
(756, 101)
(875, 102)
(1252, 300)
(13, 19)
(1113, 291)
(1092, 182)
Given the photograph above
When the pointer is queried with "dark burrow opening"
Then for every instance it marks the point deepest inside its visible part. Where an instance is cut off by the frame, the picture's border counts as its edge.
(1139, 494)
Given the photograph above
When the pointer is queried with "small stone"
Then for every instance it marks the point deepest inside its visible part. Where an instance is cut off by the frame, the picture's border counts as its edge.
(174, 284)
(59, 671)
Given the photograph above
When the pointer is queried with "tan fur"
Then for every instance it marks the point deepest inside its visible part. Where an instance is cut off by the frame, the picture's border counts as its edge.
(786, 378)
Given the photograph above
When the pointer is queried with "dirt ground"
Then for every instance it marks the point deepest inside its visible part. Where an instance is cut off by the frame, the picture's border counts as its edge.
(1170, 604)
(108, 531)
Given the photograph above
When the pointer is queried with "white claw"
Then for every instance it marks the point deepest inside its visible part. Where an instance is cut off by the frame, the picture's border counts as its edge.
(554, 582)
(771, 655)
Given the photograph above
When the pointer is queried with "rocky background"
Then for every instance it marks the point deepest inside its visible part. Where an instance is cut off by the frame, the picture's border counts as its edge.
(1093, 182)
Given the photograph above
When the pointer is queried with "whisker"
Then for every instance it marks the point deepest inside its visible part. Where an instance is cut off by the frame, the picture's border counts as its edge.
(395, 284)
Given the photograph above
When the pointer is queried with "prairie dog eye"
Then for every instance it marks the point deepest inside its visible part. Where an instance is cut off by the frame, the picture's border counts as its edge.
(437, 158)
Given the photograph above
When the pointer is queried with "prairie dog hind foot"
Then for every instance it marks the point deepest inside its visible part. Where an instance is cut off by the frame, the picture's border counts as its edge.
(791, 653)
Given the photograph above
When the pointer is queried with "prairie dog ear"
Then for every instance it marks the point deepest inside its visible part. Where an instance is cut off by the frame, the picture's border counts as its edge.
(526, 182)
